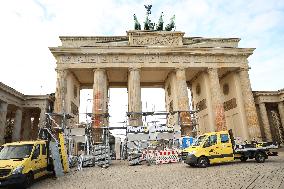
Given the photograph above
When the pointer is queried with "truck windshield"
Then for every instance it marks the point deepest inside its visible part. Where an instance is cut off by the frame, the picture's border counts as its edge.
(199, 140)
(16, 151)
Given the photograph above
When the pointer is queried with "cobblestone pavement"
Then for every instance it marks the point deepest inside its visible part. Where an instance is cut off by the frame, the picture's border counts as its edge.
(179, 175)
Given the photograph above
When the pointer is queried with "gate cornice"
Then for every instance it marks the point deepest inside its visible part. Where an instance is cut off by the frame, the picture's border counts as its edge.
(150, 51)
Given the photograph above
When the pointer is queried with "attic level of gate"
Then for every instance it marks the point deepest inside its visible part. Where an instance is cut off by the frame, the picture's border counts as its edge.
(148, 38)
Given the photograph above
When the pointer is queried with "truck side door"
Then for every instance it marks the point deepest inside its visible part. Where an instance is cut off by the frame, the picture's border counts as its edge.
(35, 165)
(43, 160)
(211, 147)
(226, 149)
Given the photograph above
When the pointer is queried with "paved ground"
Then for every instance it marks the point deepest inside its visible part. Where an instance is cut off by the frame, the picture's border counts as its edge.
(233, 175)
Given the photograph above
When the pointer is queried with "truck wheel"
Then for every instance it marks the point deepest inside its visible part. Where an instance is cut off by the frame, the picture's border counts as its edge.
(192, 165)
(203, 162)
(243, 159)
(260, 157)
(29, 180)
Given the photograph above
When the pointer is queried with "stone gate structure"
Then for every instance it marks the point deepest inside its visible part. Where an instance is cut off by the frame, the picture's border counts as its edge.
(215, 70)
(21, 115)
(270, 109)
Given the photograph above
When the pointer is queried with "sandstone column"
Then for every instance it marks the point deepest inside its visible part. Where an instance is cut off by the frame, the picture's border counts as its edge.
(265, 121)
(183, 104)
(16, 136)
(171, 99)
(26, 125)
(42, 117)
(34, 133)
(217, 100)
(100, 97)
(249, 104)
(3, 114)
(134, 96)
(240, 104)
(281, 112)
(61, 90)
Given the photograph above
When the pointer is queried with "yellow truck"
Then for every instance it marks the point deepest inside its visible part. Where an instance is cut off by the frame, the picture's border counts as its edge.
(220, 147)
(22, 162)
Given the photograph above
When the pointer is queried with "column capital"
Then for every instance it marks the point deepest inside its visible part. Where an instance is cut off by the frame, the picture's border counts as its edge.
(180, 69)
(3, 106)
(134, 69)
(19, 110)
(246, 69)
(99, 69)
(212, 70)
(62, 71)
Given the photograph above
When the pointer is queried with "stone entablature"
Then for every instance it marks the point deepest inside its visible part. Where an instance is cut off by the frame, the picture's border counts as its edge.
(268, 96)
(10, 90)
(151, 55)
(150, 60)
(12, 96)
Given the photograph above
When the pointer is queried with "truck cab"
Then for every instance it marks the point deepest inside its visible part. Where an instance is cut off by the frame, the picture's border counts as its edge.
(22, 162)
(209, 148)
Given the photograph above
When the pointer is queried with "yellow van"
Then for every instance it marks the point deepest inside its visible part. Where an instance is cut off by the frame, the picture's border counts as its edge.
(210, 148)
(22, 162)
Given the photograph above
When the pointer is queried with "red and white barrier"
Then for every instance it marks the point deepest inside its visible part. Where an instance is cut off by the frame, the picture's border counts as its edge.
(161, 157)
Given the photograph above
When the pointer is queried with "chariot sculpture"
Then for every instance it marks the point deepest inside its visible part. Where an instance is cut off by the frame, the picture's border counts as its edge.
(150, 26)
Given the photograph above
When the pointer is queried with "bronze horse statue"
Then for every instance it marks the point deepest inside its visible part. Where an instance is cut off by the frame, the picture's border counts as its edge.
(159, 26)
(171, 25)
(137, 25)
(148, 25)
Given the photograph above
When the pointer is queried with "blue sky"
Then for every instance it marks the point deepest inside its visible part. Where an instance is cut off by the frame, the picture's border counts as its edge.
(29, 27)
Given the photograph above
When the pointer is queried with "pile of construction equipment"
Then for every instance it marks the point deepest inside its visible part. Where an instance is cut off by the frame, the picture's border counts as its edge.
(84, 145)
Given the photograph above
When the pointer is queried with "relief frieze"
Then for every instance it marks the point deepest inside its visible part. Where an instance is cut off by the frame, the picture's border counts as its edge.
(153, 58)
(165, 59)
(146, 58)
(92, 58)
(140, 58)
(156, 40)
(103, 59)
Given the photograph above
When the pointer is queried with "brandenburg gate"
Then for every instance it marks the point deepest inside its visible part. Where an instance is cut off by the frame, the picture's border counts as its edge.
(215, 70)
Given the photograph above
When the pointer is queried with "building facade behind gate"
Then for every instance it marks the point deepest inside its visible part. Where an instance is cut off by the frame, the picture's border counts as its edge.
(21, 115)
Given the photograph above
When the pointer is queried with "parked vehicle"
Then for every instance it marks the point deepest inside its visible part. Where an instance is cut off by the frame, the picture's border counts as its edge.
(22, 162)
(219, 147)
